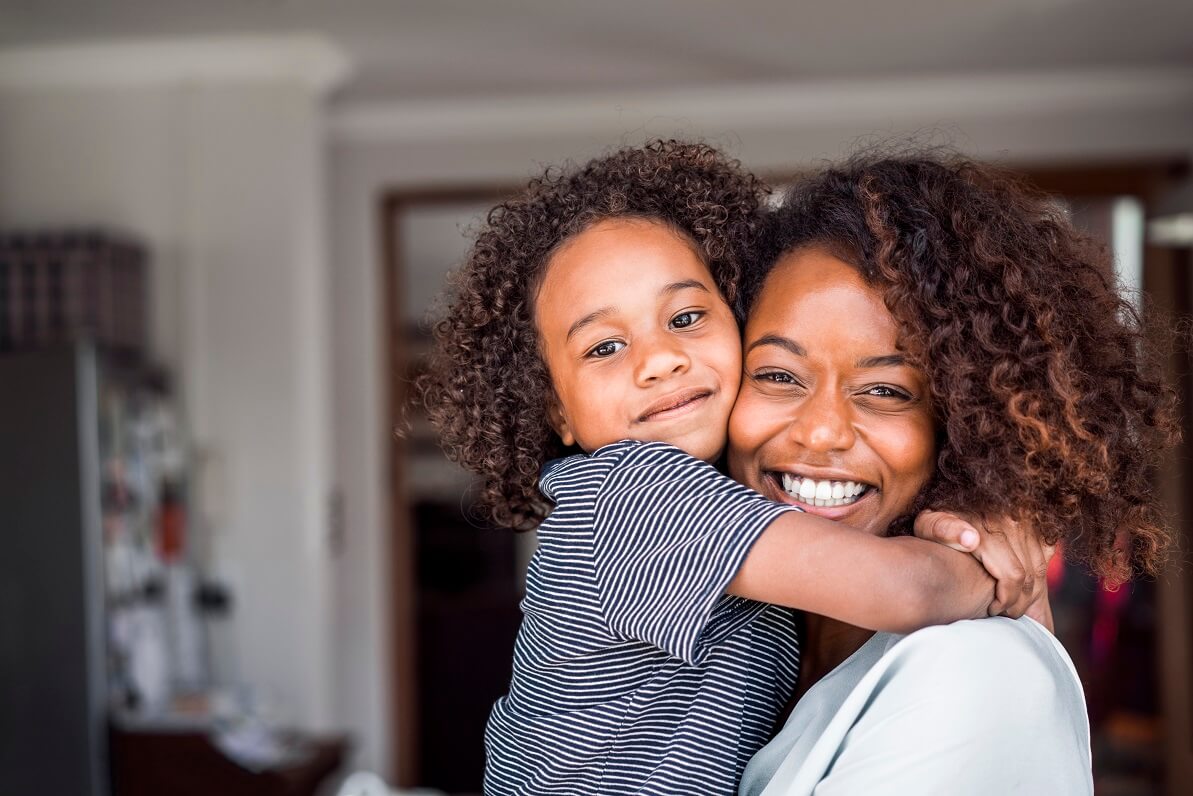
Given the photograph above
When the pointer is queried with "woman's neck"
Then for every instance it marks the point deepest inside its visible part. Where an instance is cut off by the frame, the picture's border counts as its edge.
(825, 646)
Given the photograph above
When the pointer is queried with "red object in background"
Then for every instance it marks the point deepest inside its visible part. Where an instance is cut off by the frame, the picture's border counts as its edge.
(171, 526)
(1109, 604)
(1056, 568)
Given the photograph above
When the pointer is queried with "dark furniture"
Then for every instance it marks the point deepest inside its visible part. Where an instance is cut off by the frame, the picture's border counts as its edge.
(185, 763)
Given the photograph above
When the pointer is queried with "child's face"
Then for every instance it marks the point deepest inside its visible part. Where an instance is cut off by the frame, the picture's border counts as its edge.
(639, 343)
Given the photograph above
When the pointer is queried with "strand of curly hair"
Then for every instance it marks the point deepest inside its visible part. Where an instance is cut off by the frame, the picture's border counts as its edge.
(486, 388)
(1049, 405)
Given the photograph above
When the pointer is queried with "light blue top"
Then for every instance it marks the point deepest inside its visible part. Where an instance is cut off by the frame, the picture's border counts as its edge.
(987, 706)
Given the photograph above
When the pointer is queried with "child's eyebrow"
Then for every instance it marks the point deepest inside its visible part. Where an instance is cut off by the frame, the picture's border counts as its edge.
(588, 320)
(686, 284)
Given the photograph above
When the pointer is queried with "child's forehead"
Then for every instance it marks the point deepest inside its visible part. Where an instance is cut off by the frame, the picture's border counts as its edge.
(622, 256)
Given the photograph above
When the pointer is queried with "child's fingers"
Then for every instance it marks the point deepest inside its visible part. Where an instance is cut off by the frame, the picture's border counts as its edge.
(947, 529)
(1034, 555)
(1004, 565)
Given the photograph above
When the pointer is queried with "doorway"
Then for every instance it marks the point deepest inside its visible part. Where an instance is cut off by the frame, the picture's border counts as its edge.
(457, 580)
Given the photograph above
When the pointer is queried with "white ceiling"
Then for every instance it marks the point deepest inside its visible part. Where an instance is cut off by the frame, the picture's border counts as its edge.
(443, 49)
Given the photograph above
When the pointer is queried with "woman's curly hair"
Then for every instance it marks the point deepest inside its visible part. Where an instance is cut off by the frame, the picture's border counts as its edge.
(1049, 407)
(487, 389)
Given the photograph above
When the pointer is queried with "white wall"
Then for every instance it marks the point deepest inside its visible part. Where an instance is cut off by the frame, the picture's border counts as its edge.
(224, 180)
(255, 362)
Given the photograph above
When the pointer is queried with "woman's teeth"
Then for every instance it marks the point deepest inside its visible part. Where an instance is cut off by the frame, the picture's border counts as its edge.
(822, 493)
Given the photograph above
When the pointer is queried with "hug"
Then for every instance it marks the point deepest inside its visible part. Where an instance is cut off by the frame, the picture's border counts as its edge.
(796, 472)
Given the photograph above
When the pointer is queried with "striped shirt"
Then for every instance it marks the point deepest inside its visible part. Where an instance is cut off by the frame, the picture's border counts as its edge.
(633, 671)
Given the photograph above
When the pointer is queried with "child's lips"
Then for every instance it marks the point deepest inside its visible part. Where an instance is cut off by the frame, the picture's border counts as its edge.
(675, 404)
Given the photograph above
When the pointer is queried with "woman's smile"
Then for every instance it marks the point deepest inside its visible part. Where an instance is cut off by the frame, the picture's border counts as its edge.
(821, 492)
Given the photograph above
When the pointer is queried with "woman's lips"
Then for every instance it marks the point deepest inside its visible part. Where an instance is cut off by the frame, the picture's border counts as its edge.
(677, 403)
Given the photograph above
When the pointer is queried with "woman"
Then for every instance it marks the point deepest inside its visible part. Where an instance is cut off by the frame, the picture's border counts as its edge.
(937, 333)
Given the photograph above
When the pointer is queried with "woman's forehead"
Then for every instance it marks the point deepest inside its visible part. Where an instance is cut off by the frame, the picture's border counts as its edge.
(801, 281)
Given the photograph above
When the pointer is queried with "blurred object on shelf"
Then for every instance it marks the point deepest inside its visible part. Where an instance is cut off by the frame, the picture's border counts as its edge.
(60, 286)
(156, 642)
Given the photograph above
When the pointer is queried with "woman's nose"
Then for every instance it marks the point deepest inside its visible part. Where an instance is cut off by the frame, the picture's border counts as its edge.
(660, 359)
(822, 424)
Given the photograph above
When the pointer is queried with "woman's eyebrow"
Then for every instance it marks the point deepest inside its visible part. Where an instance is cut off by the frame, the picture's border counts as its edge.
(884, 361)
(786, 343)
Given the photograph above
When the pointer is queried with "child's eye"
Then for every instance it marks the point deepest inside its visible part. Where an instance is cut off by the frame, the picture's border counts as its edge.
(606, 348)
(686, 319)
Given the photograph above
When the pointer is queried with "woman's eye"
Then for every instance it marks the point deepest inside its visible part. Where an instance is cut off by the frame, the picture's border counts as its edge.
(775, 377)
(606, 349)
(883, 391)
(685, 319)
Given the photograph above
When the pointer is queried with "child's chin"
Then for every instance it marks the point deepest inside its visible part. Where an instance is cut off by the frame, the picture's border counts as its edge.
(704, 447)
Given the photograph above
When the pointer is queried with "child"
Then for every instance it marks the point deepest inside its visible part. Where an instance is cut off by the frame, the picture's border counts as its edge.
(655, 653)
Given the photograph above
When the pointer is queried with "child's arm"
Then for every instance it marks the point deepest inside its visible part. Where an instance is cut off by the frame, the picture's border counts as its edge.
(895, 584)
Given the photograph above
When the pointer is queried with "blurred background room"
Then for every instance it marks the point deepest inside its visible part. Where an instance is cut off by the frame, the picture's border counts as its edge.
(222, 229)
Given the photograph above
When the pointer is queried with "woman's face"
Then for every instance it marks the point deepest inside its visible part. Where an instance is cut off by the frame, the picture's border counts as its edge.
(830, 416)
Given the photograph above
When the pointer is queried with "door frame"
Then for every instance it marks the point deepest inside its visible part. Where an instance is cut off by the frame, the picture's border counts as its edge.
(403, 622)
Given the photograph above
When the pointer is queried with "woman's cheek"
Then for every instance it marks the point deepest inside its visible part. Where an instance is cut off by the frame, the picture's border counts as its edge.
(745, 419)
(744, 429)
(909, 451)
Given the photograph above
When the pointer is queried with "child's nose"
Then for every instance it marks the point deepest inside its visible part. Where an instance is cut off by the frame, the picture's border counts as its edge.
(660, 361)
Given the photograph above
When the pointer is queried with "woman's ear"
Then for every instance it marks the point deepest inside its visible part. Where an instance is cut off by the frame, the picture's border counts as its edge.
(559, 422)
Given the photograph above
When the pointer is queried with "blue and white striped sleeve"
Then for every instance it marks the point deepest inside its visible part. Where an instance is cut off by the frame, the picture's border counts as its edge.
(670, 533)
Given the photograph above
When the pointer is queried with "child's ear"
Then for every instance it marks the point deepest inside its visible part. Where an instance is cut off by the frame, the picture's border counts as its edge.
(559, 422)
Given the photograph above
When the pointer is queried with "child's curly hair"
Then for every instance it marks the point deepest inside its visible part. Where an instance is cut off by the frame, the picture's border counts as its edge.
(487, 389)
(1048, 405)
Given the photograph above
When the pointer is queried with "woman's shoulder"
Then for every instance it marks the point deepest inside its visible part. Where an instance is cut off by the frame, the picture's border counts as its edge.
(1002, 683)
(1011, 659)
(985, 706)
(995, 639)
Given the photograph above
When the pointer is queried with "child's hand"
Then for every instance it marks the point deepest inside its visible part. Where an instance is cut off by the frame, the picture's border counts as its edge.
(1014, 556)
